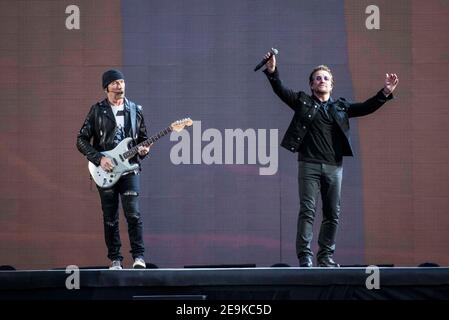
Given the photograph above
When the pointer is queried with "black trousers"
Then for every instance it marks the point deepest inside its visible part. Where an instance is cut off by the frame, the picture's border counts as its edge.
(326, 179)
(128, 190)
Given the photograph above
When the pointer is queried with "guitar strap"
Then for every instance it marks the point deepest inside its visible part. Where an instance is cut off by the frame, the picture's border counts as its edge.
(132, 109)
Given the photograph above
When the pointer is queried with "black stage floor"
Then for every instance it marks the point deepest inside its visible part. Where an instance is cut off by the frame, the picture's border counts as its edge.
(226, 284)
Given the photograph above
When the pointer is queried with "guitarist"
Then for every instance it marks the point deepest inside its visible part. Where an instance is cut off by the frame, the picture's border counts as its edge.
(107, 123)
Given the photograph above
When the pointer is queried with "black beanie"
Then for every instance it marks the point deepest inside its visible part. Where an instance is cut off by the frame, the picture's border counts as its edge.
(111, 75)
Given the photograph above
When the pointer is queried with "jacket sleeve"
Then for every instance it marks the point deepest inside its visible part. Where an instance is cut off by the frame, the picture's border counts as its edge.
(369, 106)
(287, 95)
(84, 137)
(142, 130)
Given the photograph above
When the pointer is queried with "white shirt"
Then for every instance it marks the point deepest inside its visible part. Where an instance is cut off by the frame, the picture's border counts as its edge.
(119, 114)
(120, 119)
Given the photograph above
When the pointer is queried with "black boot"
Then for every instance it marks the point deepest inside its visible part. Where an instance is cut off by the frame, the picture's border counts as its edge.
(305, 262)
(327, 262)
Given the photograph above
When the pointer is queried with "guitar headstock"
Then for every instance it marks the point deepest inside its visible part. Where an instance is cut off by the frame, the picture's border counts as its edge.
(180, 124)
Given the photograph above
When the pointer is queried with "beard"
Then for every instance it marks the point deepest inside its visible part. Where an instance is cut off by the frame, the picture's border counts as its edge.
(119, 94)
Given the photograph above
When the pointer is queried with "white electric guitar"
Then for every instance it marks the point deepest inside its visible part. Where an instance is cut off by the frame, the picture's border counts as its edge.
(121, 154)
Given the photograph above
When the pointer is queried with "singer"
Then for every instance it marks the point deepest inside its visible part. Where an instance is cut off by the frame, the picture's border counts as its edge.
(107, 123)
(319, 132)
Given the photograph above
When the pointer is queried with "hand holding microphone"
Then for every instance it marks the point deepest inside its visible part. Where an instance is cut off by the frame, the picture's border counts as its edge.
(269, 60)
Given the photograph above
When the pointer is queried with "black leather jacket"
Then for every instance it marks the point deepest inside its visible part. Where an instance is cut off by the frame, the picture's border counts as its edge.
(100, 127)
(305, 109)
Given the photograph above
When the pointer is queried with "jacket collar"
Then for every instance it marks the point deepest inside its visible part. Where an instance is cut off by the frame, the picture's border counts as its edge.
(126, 103)
(106, 109)
(330, 101)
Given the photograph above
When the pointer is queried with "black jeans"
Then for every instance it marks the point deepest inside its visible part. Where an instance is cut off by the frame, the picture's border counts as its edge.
(128, 189)
(312, 178)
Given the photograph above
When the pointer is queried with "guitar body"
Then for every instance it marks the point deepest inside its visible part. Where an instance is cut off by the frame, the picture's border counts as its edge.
(121, 154)
(105, 179)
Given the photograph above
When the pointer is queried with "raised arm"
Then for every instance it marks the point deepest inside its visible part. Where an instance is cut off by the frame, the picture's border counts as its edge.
(374, 103)
(287, 95)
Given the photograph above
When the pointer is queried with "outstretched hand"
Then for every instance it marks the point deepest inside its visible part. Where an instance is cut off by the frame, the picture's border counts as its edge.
(391, 81)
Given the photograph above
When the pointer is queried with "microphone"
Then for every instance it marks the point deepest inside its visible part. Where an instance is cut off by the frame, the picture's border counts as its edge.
(262, 63)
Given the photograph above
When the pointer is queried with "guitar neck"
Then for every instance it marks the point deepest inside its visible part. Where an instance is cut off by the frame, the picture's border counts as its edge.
(133, 151)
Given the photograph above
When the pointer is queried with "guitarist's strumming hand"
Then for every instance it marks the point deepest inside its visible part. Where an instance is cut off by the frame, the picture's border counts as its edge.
(106, 164)
(143, 150)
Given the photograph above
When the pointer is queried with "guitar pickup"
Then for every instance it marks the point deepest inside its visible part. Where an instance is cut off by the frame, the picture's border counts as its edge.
(115, 161)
